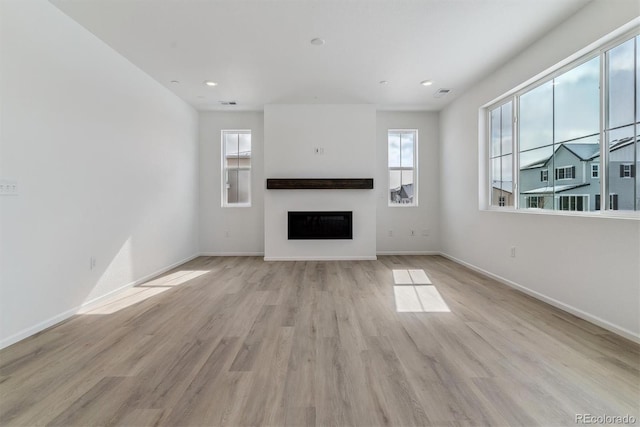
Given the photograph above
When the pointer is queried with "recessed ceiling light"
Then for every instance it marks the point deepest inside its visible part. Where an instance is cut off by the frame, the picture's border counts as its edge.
(383, 82)
(426, 83)
(210, 83)
(175, 82)
(317, 41)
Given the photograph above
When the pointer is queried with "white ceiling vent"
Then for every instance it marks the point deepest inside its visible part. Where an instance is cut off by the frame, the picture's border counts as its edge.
(441, 92)
(228, 103)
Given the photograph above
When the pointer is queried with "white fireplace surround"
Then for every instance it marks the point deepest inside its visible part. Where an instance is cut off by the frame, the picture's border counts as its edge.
(344, 133)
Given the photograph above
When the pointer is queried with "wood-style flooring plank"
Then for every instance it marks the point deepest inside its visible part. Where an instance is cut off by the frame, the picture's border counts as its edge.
(236, 341)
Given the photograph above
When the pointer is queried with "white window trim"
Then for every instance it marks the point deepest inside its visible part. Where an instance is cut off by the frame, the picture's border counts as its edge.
(585, 202)
(528, 201)
(224, 203)
(598, 48)
(545, 175)
(514, 177)
(626, 169)
(596, 170)
(565, 168)
(414, 169)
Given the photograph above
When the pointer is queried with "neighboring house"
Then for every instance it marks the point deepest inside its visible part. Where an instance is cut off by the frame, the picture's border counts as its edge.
(571, 178)
(402, 194)
(502, 193)
(237, 166)
(623, 177)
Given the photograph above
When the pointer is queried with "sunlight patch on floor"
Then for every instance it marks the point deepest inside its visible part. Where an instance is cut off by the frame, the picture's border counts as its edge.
(402, 277)
(412, 294)
(125, 299)
(175, 279)
(419, 299)
(410, 277)
(143, 292)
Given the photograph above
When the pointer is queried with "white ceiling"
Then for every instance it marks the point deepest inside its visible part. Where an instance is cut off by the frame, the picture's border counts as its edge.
(259, 51)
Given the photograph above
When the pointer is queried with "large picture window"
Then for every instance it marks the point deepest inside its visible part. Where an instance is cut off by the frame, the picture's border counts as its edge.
(561, 128)
(403, 167)
(236, 168)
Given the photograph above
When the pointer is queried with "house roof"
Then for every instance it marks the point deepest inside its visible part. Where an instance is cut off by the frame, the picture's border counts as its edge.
(620, 143)
(408, 189)
(583, 151)
(556, 189)
(503, 185)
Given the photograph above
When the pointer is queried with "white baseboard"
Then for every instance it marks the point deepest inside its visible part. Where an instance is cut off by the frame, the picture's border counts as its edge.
(32, 330)
(27, 332)
(551, 301)
(231, 253)
(322, 258)
(408, 253)
(88, 305)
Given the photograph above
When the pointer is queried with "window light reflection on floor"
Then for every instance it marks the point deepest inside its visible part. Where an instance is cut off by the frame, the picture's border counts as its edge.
(419, 299)
(142, 292)
(412, 294)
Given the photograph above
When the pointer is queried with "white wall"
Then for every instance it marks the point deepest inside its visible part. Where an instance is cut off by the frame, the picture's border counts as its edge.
(590, 266)
(347, 135)
(105, 160)
(423, 219)
(230, 231)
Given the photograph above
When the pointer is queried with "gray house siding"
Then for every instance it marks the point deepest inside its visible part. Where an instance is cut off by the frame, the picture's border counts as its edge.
(624, 184)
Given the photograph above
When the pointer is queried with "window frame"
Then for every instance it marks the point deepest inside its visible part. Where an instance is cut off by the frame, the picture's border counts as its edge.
(600, 50)
(537, 199)
(585, 201)
(544, 175)
(595, 169)
(223, 169)
(626, 170)
(401, 168)
(514, 178)
(564, 170)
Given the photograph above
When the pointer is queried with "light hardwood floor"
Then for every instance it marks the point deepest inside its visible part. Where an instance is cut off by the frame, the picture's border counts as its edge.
(242, 342)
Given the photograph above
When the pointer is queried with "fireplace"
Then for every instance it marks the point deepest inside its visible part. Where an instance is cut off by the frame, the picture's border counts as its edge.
(320, 225)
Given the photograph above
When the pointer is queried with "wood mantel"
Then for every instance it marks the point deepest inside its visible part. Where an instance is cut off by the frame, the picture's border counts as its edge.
(319, 183)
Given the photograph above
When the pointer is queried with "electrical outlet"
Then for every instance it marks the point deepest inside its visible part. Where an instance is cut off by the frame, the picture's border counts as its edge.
(226, 234)
(8, 187)
(412, 233)
(513, 251)
(92, 262)
(425, 232)
(390, 233)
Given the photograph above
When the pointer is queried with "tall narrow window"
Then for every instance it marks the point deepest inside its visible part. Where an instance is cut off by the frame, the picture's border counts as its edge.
(403, 167)
(623, 123)
(236, 168)
(501, 155)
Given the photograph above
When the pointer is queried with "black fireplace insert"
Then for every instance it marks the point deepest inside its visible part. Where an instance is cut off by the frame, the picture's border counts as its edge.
(320, 225)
